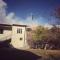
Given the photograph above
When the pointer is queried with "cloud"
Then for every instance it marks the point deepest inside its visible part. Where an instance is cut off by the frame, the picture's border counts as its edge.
(11, 18)
(2, 11)
(49, 26)
(2, 3)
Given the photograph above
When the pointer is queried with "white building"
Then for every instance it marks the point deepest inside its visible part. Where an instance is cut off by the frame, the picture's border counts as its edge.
(17, 34)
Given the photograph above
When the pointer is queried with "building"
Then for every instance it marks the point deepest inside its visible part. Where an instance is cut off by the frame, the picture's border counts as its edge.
(17, 34)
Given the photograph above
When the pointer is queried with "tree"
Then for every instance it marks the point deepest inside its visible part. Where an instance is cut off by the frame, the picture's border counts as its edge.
(47, 38)
(44, 38)
(39, 35)
(55, 37)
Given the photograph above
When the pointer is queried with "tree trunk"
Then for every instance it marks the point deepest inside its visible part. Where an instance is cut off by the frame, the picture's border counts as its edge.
(45, 48)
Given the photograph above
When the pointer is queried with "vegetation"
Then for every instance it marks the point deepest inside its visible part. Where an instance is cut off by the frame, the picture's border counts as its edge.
(38, 34)
(46, 38)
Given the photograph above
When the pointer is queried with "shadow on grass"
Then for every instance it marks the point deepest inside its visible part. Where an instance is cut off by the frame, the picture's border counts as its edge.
(14, 54)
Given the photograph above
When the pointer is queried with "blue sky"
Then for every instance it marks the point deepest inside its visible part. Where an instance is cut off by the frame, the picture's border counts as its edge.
(39, 8)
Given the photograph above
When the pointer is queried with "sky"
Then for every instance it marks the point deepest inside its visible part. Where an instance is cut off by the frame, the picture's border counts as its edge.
(22, 10)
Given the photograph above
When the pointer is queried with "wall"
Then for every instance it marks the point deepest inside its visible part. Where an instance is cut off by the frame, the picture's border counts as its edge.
(6, 35)
(16, 42)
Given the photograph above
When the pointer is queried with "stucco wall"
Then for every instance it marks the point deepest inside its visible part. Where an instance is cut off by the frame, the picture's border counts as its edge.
(16, 42)
(6, 35)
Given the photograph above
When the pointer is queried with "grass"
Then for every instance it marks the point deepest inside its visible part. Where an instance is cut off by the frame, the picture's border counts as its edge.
(41, 52)
(46, 54)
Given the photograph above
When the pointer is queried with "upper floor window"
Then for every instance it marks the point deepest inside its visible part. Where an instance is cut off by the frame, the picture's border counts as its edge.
(1, 31)
(19, 31)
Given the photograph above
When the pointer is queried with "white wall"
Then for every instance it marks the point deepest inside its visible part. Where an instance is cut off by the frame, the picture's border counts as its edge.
(16, 42)
(6, 35)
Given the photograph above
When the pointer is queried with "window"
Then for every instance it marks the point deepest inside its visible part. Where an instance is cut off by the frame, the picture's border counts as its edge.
(19, 31)
(21, 38)
(1, 31)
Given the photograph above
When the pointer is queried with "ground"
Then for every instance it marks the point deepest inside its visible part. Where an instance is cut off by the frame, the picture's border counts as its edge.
(29, 54)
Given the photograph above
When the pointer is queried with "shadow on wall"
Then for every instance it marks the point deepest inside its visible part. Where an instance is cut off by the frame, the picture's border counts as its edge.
(14, 54)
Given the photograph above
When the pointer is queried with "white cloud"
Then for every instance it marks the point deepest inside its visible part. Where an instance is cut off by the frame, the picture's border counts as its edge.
(2, 11)
(48, 26)
(2, 3)
(11, 18)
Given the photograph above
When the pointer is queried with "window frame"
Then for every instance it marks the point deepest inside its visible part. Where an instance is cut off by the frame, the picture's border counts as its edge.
(19, 30)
